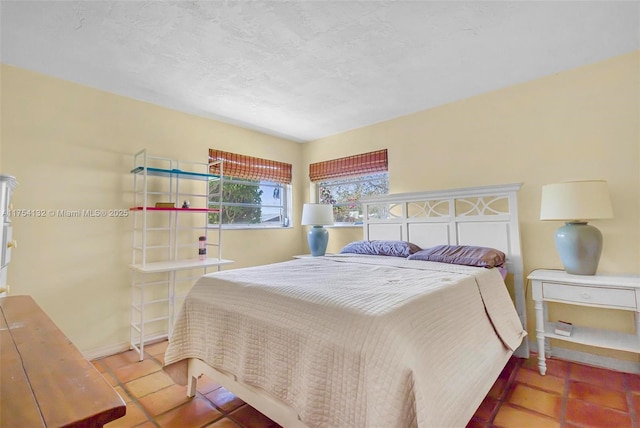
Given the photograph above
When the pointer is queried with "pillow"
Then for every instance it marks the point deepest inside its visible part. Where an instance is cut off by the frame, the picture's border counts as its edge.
(462, 255)
(381, 248)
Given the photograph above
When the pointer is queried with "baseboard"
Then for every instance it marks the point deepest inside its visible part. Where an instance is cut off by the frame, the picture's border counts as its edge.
(562, 353)
(591, 359)
(105, 351)
(93, 354)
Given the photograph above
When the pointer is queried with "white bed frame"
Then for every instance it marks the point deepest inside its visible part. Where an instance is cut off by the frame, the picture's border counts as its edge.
(482, 216)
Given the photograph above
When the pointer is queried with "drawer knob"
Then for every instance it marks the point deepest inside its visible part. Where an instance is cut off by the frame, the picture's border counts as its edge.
(585, 296)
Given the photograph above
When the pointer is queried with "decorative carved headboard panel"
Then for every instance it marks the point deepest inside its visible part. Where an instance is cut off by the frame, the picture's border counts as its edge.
(483, 216)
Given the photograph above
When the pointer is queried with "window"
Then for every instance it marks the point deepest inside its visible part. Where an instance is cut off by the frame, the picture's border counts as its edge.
(345, 193)
(343, 182)
(255, 191)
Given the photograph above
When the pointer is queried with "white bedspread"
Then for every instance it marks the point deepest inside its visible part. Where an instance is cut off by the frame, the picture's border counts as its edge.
(354, 341)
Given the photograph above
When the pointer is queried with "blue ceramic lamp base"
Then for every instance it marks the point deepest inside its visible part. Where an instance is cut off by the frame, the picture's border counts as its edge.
(318, 238)
(579, 246)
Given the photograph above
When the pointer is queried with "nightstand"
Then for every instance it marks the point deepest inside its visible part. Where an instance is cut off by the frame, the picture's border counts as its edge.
(602, 291)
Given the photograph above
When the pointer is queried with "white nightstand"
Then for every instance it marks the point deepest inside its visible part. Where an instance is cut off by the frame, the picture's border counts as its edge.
(602, 291)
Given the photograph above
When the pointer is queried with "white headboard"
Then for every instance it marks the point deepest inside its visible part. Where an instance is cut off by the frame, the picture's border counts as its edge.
(483, 216)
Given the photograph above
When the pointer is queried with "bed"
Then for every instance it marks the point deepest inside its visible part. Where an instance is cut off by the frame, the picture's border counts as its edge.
(366, 340)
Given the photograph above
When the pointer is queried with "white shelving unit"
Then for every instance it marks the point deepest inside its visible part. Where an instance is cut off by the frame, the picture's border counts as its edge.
(165, 261)
(7, 184)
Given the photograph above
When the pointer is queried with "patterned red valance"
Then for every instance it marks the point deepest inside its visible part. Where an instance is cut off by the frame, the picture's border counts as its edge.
(250, 168)
(365, 163)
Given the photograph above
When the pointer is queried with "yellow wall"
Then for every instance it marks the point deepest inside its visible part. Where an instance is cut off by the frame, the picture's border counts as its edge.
(579, 124)
(71, 147)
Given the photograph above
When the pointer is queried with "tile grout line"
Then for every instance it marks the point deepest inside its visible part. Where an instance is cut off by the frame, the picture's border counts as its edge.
(134, 399)
(151, 418)
(560, 419)
(625, 389)
(198, 394)
(223, 413)
(565, 396)
(501, 402)
(503, 397)
(629, 396)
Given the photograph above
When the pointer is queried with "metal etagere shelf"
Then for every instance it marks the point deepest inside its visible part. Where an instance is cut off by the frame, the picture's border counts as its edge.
(174, 204)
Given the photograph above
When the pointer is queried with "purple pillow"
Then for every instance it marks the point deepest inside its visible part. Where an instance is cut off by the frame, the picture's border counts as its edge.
(381, 248)
(462, 255)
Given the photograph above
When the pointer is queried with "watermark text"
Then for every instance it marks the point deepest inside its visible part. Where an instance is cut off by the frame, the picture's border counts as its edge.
(65, 213)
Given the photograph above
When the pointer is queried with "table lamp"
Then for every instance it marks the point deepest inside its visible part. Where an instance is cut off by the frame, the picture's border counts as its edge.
(578, 243)
(317, 215)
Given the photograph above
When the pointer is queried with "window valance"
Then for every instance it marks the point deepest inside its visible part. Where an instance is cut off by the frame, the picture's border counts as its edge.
(249, 167)
(361, 164)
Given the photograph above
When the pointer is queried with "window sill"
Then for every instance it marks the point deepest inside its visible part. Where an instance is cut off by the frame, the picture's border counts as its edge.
(343, 226)
(247, 227)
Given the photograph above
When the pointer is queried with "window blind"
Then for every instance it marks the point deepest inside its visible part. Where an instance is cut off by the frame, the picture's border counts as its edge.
(361, 164)
(249, 167)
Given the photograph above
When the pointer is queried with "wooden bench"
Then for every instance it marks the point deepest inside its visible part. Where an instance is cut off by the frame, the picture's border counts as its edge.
(44, 380)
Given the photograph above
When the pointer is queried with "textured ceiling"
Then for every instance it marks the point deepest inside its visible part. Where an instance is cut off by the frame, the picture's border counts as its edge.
(308, 69)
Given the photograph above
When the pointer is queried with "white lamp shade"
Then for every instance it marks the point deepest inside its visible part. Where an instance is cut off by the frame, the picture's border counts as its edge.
(317, 214)
(576, 200)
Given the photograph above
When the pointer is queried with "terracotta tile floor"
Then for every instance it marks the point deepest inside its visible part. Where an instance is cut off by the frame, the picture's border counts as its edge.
(570, 396)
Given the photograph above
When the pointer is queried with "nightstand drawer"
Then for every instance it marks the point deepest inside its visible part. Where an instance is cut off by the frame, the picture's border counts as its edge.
(610, 297)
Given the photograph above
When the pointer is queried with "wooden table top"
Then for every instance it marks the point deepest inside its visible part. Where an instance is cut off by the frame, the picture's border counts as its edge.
(44, 379)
